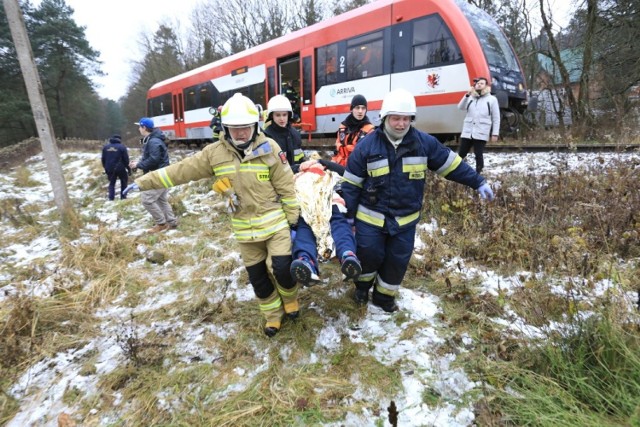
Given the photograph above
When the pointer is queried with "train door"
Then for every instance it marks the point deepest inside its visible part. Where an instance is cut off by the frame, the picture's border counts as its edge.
(289, 82)
(307, 100)
(178, 114)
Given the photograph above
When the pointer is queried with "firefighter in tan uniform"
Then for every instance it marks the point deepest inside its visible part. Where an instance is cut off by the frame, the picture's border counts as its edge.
(255, 176)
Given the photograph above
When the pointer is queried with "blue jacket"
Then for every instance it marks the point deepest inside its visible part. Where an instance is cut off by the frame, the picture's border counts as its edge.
(384, 186)
(115, 158)
(154, 153)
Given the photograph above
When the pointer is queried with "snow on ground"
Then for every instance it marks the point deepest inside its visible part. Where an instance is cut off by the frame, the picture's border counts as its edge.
(41, 387)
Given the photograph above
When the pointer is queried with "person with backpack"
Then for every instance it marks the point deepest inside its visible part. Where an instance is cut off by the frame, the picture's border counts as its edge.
(352, 129)
(115, 161)
(482, 121)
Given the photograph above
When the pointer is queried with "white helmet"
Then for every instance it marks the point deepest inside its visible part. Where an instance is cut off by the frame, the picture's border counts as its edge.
(400, 102)
(279, 103)
(239, 111)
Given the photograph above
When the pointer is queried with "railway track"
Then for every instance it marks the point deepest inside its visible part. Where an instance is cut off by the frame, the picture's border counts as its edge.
(328, 144)
(323, 144)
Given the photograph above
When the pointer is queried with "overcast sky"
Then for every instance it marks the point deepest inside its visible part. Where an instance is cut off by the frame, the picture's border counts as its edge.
(113, 28)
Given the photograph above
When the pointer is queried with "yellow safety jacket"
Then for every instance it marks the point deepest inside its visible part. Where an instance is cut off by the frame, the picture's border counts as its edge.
(262, 182)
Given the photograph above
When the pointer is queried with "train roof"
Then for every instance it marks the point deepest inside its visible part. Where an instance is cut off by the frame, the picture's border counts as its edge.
(329, 22)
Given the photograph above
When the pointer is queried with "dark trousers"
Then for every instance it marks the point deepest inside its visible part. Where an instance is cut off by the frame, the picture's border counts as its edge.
(113, 177)
(304, 245)
(478, 149)
(383, 254)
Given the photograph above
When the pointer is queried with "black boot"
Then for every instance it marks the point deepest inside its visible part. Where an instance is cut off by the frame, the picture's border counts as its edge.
(270, 331)
(385, 302)
(361, 296)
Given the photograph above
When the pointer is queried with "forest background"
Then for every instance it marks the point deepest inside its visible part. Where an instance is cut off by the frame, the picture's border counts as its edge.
(602, 31)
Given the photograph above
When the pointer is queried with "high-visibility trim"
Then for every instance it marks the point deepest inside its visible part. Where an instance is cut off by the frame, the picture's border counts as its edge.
(277, 214)
(290, 202)
(287, 292)
(367, 277)
(270, 306)
(298, 154)
(414, 164)
(164, 178)
(352, 179)
(253, 167)
(370, 217)
(224, 170)
(450, 165)
(242, 235)
(404, 220)
(387, 288)
(378, 168)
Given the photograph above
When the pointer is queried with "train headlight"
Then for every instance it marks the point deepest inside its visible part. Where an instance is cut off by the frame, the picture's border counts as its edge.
(520, 87)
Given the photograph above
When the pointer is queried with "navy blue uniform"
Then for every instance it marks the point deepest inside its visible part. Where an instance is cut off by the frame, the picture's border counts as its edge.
(383, 188)
(289, 141)
(115, 161)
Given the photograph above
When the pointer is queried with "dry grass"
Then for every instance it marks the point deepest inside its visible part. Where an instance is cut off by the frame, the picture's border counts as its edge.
(566, 225)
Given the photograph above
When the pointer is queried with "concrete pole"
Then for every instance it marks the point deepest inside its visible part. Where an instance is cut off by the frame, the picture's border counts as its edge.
(38, 106)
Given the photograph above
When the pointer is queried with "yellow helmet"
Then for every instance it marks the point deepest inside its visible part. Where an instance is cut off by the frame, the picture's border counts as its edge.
(239, 111)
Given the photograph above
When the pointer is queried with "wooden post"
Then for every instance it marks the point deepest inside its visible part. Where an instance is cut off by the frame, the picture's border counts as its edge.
(38, 107)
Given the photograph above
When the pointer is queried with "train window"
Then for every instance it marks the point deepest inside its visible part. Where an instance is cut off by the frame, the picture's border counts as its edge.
(271, 81)
(159, 105)
(190, 98)
(364, 56)
(433, 43)
(256, 94)
(306, 80)
(327, 65)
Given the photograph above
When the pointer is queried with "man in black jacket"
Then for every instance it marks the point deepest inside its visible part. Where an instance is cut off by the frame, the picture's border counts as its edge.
(155, 156)
(115, 161)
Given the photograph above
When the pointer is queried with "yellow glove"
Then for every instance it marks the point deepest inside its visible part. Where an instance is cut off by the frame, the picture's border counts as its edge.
(223, 187)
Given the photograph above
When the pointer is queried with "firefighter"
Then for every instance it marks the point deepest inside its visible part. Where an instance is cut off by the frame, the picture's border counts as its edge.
(278, 127)
(216, 124)
(254, 176)
(383, 187)
(352, 129)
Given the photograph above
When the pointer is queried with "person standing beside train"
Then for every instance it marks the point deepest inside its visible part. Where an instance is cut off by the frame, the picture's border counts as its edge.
(383, 187)
(257, 183)
(278, 127)
(352, 129)
(154, 156)
(482, 121)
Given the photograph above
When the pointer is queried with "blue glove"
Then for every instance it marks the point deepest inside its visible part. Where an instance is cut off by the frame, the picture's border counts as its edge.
(130, 187)
(485, 191)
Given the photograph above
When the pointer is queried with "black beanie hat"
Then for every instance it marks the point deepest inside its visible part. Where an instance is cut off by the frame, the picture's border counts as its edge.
(358, 100)
(115, 139)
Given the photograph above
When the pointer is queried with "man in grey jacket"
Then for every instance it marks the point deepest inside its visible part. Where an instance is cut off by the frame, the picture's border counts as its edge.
(155, 156)
(482, 121)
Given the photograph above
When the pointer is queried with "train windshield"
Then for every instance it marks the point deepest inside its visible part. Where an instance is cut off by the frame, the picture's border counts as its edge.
(495, 45)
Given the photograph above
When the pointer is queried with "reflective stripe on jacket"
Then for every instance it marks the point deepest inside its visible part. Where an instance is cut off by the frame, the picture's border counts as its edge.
(262, 182)
(384, 187)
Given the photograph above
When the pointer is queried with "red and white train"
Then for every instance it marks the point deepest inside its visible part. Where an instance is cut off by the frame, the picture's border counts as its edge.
(433, 48)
